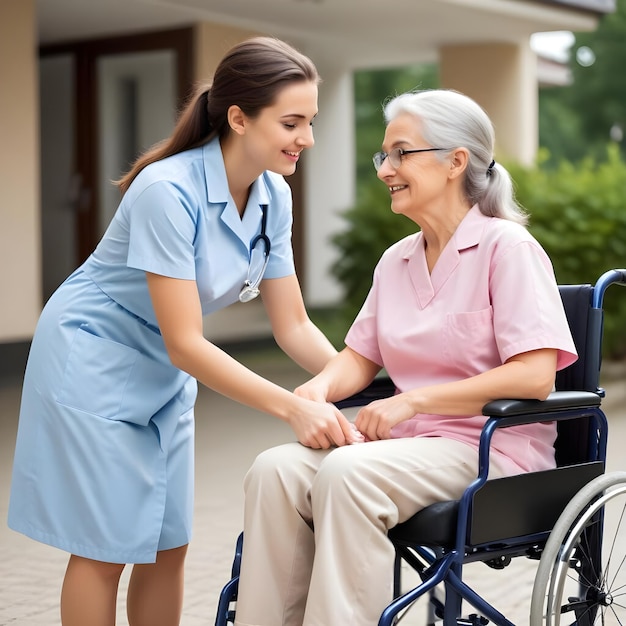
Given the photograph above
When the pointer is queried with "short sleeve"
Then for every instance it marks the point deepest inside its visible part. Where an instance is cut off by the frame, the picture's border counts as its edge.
(527, 306)
(162, 232)
(362, 336)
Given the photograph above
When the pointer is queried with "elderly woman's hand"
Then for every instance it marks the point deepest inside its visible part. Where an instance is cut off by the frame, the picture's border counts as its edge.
(377, 419)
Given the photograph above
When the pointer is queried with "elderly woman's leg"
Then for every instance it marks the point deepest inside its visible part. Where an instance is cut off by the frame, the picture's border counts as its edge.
(359, 493)
(278, 546)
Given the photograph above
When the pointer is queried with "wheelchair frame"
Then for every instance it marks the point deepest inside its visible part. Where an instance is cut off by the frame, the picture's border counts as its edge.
(439, 540)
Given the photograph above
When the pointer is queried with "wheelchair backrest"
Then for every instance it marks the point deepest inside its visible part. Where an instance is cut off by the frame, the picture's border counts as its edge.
(585, 322)
(585, 325)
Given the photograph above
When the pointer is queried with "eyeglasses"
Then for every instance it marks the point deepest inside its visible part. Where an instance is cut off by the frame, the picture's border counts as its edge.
(395, 156)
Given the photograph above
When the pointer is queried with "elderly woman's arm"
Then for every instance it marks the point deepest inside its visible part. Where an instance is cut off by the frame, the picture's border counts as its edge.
(343, 375)
(529, 375)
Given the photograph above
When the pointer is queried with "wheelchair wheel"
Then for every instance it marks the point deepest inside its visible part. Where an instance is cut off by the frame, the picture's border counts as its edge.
(581, 578)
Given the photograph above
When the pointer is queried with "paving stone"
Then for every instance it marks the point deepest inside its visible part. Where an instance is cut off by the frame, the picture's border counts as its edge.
(228, 438)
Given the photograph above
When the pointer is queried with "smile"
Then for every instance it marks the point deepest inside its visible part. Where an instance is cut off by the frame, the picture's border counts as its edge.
(397, 188)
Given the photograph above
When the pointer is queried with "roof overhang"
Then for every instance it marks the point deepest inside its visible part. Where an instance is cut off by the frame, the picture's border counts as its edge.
(362, 33)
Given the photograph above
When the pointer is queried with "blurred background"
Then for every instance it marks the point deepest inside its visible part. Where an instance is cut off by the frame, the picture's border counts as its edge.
(574, 187)
(85, 86)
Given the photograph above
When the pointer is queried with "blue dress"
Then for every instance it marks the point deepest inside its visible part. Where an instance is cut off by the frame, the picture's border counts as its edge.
(104, 456)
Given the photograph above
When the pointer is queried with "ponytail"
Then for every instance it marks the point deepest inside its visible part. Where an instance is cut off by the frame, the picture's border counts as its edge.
(497, 197)
(192, 129)
(250, 76)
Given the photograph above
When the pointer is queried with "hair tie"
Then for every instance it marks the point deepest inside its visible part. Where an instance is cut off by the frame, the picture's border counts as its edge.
(490, 168)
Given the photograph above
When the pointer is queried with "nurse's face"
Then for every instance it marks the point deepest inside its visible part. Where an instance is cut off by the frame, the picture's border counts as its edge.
(418, 183)
(276, 137)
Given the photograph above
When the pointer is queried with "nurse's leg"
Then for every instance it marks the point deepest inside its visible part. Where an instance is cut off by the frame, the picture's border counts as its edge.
(278, 546)
(89, 592)
(155, 590)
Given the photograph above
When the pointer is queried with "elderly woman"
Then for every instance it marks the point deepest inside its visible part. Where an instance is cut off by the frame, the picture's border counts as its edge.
(463, 312)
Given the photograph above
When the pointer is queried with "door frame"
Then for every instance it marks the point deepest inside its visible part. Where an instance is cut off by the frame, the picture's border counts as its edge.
(85, 55)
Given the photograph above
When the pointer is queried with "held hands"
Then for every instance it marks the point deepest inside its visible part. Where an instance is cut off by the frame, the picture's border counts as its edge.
(320, 424)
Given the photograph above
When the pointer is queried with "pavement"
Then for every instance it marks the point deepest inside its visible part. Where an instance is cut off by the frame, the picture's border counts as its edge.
(228, 437)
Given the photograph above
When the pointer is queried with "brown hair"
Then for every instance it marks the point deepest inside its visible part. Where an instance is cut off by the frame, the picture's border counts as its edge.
(250, 76)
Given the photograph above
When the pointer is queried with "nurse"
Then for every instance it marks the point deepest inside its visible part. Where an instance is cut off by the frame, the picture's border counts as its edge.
(104, 456)
(461, 313)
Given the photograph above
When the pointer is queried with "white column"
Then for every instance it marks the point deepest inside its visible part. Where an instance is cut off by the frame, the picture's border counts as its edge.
(329, 183)
(20, 245)
(502, 78)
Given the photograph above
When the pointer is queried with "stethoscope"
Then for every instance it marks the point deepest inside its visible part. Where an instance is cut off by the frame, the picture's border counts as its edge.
(250, 289)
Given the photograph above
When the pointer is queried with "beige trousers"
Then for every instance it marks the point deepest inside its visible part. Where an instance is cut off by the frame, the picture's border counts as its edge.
(341, 574)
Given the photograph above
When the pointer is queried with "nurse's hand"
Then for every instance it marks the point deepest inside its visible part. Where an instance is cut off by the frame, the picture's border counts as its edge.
(377, 419)
(322, 425)
(312, 390)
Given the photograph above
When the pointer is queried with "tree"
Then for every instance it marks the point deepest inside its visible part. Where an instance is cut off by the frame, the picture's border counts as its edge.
(371, 89)
(579, 120)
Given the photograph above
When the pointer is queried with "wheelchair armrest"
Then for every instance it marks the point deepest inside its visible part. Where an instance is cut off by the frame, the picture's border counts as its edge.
(380, 387)
(383, 387)
(558, 406)
(556, 401)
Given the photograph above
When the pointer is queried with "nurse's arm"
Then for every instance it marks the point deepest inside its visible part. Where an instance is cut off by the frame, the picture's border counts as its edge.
(179, 315)
(293, 330)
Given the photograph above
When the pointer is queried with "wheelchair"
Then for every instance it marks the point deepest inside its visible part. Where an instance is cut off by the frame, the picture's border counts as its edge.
(568, 518)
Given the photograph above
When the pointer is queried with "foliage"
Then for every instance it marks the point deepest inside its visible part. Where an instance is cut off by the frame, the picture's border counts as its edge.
(371, 228)
(575, 194)
(371, 90)
(578, 213)
(559, 128)
(599, 92)
(577, 121)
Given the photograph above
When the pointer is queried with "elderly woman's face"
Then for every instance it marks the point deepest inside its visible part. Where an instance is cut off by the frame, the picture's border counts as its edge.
(413, 178)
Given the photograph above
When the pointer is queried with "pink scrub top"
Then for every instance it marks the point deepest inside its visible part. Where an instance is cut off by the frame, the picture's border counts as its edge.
(491, 295)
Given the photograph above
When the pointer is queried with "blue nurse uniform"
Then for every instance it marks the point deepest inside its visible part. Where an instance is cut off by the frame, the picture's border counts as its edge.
(104, 456)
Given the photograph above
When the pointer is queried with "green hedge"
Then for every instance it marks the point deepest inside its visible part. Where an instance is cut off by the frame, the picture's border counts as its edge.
(577, 212)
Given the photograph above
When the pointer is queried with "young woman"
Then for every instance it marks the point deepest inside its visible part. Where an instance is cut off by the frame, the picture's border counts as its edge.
(463, 312)
(104, 456)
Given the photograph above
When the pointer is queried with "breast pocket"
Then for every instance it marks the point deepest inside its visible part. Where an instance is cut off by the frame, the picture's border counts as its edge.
(470, 342)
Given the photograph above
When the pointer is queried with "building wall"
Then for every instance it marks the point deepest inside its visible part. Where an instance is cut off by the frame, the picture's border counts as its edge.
(20, 272)
(502, 78)
(211, 42)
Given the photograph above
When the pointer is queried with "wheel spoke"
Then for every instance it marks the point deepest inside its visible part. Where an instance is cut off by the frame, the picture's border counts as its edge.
(581, 578)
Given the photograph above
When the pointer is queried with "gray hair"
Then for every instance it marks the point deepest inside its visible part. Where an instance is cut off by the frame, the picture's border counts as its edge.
(451, 120)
